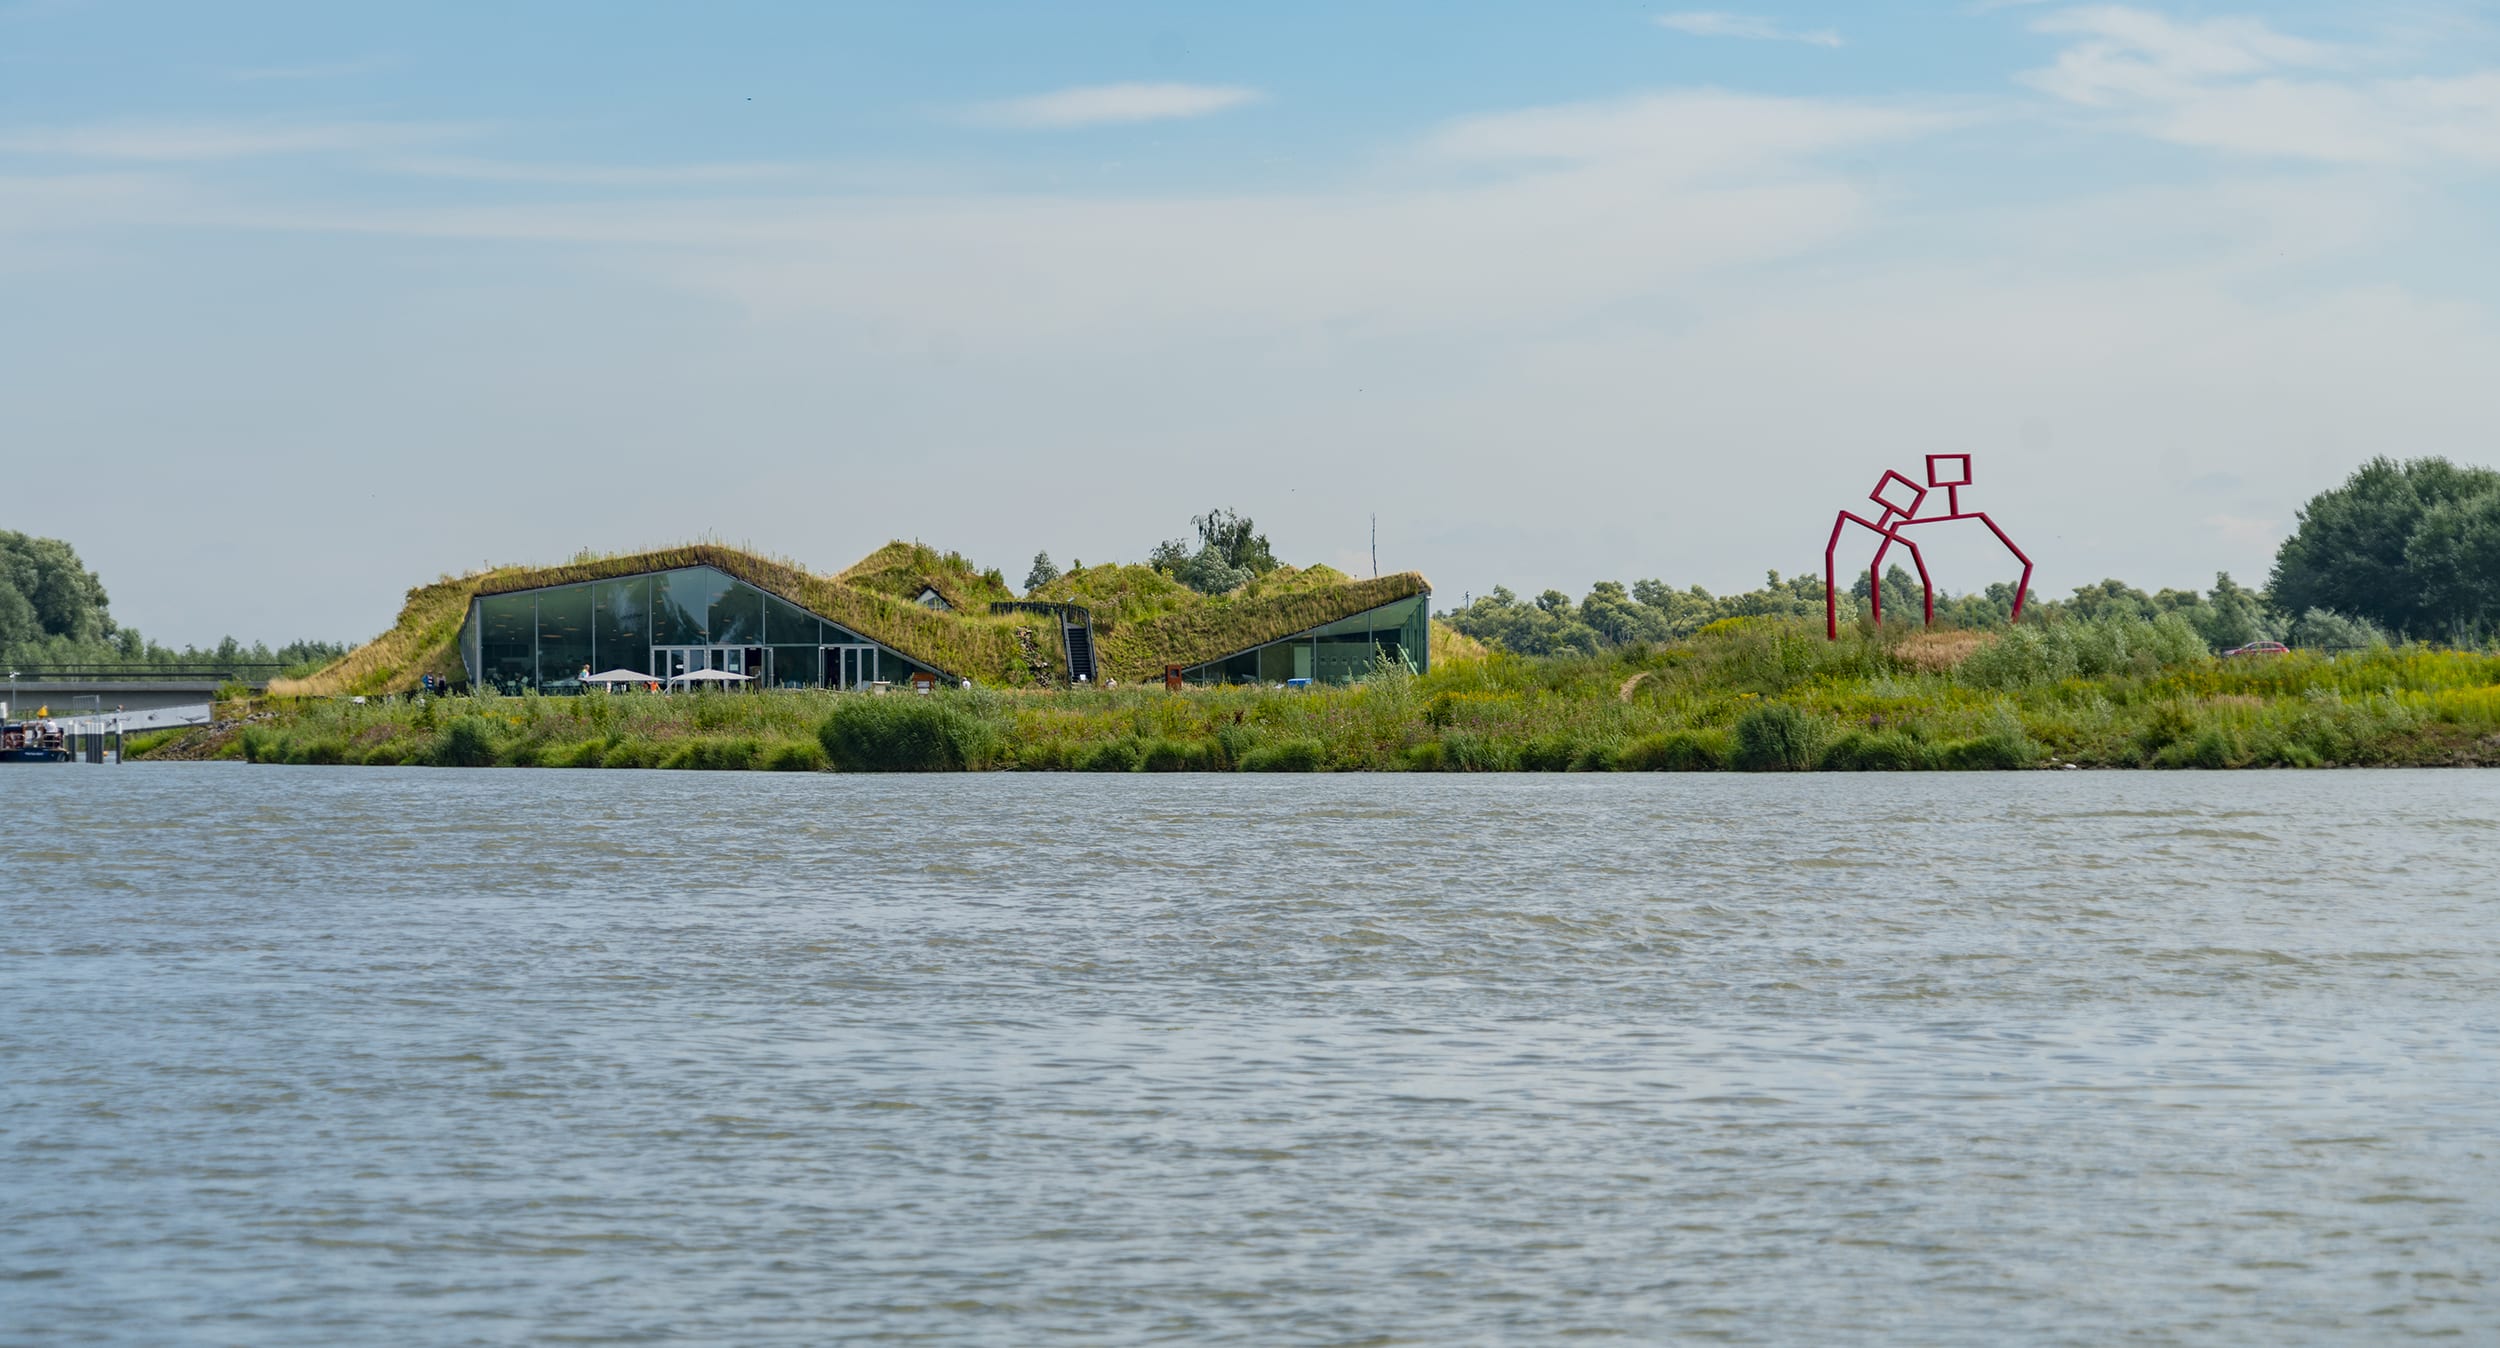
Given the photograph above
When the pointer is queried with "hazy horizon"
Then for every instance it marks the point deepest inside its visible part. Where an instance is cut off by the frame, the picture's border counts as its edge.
(340, 300)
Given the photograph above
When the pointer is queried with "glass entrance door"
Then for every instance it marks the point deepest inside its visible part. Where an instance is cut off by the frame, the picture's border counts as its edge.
(850, 666)
(670, 662)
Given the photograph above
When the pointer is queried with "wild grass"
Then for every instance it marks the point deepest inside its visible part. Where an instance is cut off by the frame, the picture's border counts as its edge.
(1762, 694)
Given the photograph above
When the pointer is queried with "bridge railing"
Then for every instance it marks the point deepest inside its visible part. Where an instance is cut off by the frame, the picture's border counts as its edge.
(248, 671)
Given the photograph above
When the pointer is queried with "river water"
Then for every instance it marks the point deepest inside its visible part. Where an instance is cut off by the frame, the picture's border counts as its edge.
(306, 1055)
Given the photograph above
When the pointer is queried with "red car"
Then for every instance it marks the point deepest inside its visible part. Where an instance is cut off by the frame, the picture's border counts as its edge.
(2259, 648)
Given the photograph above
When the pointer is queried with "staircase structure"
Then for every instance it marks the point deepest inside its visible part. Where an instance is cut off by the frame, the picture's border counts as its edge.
(1076, 634)
(1077, 638)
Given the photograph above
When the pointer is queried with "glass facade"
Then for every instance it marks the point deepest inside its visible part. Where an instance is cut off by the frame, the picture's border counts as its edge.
(621, 629)
(665, 624)
(563, 635)
(1340, 652)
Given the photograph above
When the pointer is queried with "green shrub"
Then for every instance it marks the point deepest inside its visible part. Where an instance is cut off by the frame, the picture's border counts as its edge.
(1774, 737)
(1875, 751)
(2211, 746)
(326, 750)
(585, 754)
(1548, 753)
(2168, 723)
(468, 742)
(796, 756)
(1051, 755)
(714, 755)
(135, 747)
(632, 753)
(1676, 751)
(1428, 756)
(1168, 755)
(1597, 757)
(904, 734)
(1987, 753)
(2290, 754)
(2002, 746)
(1296, 755)
(1471, 751)
(1118, 755)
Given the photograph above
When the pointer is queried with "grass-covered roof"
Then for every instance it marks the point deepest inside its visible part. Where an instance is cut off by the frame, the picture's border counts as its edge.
(1143, 620)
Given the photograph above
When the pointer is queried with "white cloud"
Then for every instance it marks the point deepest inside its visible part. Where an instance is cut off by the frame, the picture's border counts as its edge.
(1112, 105)
(1714, 23)
(2238, 85)
(1698, 131)
(1552, 211)
(199, 142)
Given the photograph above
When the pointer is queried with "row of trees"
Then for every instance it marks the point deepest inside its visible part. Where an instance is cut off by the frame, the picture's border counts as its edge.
(54, 614)
(2407, 549)
(1230, 551)
(1611, 614)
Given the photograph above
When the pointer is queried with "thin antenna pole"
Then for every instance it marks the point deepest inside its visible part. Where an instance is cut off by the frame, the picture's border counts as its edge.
(1375, 547)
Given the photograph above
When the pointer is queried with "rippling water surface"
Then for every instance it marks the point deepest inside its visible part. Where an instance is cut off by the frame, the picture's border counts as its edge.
(303, 1055)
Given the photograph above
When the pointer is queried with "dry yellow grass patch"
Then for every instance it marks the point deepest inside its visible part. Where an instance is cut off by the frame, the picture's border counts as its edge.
(1939, 652)
(1449, 645)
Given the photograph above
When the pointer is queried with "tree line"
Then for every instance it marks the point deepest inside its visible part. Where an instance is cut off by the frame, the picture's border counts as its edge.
(2400, 551)
(54, 614)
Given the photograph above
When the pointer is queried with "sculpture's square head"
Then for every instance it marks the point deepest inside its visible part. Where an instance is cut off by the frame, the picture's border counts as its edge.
(1897, 494)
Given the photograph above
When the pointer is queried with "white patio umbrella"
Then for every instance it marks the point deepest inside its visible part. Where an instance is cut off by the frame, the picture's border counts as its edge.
(618, 676)
(710, 676)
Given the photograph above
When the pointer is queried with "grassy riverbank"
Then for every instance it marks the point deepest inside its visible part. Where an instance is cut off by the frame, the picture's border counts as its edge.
(1748, 694)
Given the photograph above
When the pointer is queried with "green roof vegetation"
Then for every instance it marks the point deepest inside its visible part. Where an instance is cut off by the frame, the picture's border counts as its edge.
(1143, 620)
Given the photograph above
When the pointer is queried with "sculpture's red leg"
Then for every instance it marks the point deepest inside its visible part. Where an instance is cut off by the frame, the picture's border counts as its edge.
(1875, 573)
(2021, 587)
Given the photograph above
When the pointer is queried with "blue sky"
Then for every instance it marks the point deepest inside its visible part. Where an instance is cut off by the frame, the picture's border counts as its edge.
(363, 295)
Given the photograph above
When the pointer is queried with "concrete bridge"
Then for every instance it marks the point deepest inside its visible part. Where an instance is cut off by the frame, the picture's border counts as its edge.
(68, 696)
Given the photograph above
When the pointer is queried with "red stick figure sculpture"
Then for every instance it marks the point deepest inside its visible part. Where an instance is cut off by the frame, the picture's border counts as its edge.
(1902, 499)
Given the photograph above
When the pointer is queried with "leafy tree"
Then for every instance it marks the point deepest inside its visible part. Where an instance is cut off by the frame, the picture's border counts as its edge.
(2334, 631)
(53, 612)
(2454, 555)
(2112, 599)
(1236, 540)
(1043, 573)
(2354, 553)
(1230, 551)
(1208, 573)
(1615, 615)
(1904, 603)
(46, 592)
(1548, 626)
(2231, 615)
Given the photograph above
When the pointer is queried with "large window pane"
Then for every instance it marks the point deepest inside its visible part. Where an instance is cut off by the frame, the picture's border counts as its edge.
(622, 625)
(681, 602)
(797, 667)
(786, 624)
(507, 640)
(563, 633)
(737, 613)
